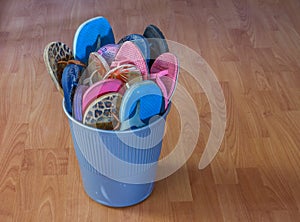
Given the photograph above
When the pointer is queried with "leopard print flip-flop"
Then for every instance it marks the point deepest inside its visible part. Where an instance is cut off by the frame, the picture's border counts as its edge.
(103, 112)
(53, 53)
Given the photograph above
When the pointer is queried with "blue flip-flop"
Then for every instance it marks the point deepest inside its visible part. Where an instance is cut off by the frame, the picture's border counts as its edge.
(69, 82)
(141, 42)
(143, 97)
(88, 36)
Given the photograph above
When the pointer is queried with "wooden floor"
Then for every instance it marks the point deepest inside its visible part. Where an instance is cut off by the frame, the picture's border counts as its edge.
(254, 48)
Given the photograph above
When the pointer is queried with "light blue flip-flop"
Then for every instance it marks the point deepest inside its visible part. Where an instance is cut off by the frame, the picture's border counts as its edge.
(90, 35)
(135, 121)
(141, 101)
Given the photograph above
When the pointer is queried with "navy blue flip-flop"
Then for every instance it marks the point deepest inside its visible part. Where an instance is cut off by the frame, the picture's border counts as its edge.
(88, 36)
(69, 82)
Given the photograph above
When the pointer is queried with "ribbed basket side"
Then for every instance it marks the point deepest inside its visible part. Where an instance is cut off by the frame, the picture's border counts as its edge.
(131, 154)
(125, 156)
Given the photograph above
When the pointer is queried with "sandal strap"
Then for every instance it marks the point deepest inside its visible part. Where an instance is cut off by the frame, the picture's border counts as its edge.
(121, 62)
(72, 61)
(159, 74)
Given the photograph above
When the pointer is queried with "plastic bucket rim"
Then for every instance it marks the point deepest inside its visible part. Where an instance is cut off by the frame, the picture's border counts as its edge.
(115, 131)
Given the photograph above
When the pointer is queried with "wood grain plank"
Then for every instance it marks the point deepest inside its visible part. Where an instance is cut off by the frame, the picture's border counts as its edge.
(232, 203)
(253, 46)
(179, 186)
(10, 165)
(223, 167)
(206, 205)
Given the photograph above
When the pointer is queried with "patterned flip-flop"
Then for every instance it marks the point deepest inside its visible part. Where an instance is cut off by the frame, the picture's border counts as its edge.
(53, 53)
(165, 73)
(129, 53)
(95, 71)
(149, 97)
(109, 52)
(88, 36)
(157, 42)
(100, 88)
(141, 42)
(69, 82)
(102, 113)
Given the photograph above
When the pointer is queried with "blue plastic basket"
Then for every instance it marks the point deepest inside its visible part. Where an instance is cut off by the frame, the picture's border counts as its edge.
(118, 168)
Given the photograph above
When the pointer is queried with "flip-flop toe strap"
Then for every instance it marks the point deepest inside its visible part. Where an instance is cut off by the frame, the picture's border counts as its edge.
(157, 76)
(121, 62)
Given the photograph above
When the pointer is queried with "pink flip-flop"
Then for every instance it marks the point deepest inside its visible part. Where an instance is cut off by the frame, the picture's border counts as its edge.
(165, 73)
(100, 88)
(129, 53)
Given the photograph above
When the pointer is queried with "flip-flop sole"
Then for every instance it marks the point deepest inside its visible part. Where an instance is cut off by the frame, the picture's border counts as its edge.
(148, 94)
(129, 53)
(69, 81)
(95, 70)
(141, 42)
(169, 62)
(53, 53)
(77, 102)
(86, 37)
(99, 113)
(157, 42)
(100, 88)
(109, 52)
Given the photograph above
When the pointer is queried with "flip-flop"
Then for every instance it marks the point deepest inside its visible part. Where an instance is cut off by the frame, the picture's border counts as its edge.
(157, 42)
(129, 53)
(77, 102)
(53, 53)
(102, 112)
(100, 88)
(69, 82)
(135, 121)
(141, 42)
(95, 71)
(109, 52)
(149, 97)
(165, 73)
(88, 36)
(127, 73)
